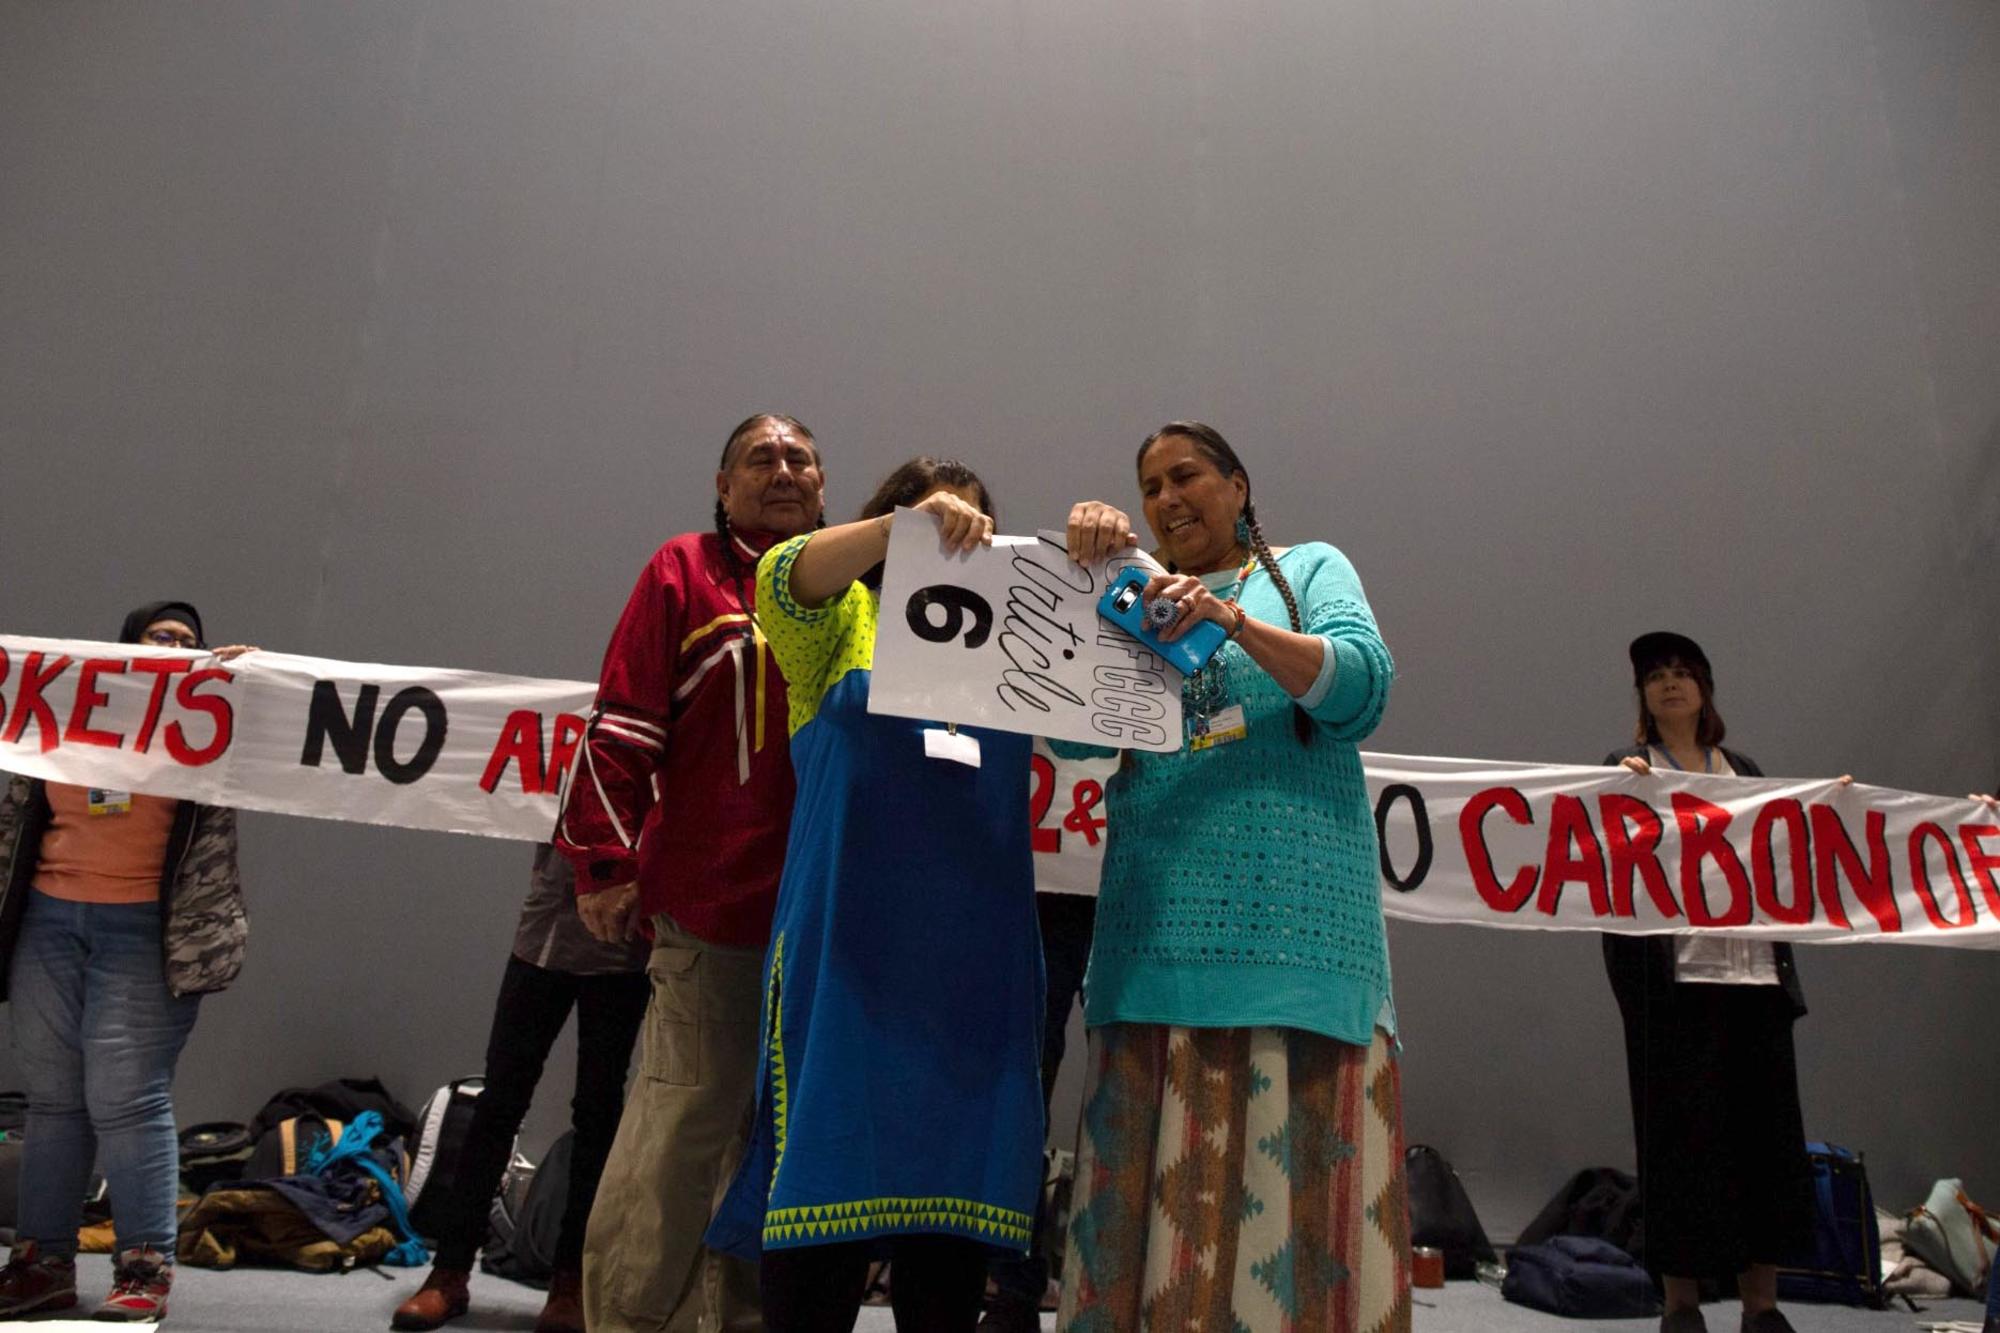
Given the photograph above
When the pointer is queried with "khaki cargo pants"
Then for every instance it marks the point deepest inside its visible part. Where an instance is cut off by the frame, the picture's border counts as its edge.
(679, 1142)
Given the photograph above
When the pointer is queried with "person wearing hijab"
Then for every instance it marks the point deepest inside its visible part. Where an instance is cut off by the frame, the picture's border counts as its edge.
(118, 912)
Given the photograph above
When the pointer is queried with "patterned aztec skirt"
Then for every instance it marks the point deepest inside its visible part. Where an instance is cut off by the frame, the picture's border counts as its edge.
(1238, 1179)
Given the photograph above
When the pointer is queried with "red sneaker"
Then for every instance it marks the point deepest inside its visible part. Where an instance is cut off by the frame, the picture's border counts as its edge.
(140, 1280)
(32, 1281)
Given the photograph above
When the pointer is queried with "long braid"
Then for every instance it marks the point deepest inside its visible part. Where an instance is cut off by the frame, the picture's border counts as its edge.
(735, 564)
(1301, 720)
(730, 561)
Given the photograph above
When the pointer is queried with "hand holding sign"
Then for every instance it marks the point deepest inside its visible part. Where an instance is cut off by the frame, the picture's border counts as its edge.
(960, 524)
(1097, 531)
(1007, 636)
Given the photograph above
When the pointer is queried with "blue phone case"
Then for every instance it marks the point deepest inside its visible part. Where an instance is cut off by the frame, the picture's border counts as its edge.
(1122, 606)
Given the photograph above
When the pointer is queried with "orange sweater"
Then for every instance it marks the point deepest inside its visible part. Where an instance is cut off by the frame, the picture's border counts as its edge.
(104, 847)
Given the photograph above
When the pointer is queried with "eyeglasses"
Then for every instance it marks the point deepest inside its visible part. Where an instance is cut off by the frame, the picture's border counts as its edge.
(166, 638)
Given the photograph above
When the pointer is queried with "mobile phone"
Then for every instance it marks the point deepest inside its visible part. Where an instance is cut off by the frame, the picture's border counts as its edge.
(1123, 606)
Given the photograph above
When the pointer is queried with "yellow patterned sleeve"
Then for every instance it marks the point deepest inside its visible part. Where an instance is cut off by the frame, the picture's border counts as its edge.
(814, 645)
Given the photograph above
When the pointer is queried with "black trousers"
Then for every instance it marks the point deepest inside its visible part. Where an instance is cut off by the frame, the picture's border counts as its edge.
(534, 1004)
(1724, 1180)
(936, 1284)
(1068, 921)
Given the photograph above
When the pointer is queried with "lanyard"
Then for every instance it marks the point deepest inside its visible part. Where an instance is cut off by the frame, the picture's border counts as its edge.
(1707, 758)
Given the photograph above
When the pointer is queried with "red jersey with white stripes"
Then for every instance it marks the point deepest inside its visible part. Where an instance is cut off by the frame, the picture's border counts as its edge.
(684, 781)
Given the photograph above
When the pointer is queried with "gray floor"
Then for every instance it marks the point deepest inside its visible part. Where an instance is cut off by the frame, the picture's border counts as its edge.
(263, 1300)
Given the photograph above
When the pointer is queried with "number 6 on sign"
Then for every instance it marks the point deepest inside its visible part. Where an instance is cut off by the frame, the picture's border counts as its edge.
(956, 603)
(1008, 636)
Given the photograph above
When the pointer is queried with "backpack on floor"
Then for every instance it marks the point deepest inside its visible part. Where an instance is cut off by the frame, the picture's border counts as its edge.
(343, 1207)
(1844, 1264)
(1580, 1277)
(527, 1218)
(1600, 1201)
(213, 1152)
(342, 1099)
(438, 1151)
(503, 1214)
(1441, 1214)
(286, 1148)
(1954, 1235)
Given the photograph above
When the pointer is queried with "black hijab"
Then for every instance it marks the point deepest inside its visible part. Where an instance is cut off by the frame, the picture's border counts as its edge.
(135, 623)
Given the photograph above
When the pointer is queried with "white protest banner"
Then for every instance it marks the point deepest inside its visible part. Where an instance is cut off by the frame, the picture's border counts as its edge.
(1007, 636)
(1464, 841)
(1067, 815)
(457, 751)
(1562, 847)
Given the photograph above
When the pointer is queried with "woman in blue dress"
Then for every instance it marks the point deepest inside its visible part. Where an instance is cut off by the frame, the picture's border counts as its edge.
(899, 1107)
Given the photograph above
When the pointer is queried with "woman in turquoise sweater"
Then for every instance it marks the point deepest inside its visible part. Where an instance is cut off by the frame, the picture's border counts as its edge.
(1240, 1164)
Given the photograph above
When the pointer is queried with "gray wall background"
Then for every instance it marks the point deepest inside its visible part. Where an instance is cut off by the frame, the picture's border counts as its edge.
(404, 331)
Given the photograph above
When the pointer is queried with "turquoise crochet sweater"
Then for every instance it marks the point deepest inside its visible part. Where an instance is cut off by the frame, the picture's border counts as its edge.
(1241, 883)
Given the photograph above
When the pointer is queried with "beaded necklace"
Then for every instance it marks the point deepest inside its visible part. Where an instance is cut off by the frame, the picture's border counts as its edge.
(1206, 692)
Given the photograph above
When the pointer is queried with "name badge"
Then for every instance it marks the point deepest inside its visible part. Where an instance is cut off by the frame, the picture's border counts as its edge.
(953, 745)
(100, 801)
(1218, 728)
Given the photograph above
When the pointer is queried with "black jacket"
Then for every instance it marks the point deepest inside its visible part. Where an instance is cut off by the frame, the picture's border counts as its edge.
(1643, 965)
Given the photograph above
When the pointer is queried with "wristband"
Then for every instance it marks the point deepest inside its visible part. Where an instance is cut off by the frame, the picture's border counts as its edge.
(1242, 618)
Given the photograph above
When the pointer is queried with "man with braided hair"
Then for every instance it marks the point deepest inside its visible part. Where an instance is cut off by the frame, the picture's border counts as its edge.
(675, 817)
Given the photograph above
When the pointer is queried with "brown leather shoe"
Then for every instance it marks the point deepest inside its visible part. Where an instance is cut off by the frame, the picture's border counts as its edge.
(442, 1298)
(563, 1312)
(32, 1281)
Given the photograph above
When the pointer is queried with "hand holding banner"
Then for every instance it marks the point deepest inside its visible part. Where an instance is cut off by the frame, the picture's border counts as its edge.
(1008, 637)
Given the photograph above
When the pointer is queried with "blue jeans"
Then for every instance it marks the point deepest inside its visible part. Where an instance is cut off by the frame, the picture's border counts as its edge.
(96, 1035)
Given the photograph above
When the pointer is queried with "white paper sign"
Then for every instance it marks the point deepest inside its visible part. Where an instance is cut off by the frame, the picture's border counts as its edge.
(1008, 637)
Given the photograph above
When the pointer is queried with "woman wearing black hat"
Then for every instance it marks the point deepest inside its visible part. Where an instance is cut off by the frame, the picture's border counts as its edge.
(118, 911)
(1723, 1174)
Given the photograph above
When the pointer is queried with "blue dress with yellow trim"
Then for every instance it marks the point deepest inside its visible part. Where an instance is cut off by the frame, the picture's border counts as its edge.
(900, 1087)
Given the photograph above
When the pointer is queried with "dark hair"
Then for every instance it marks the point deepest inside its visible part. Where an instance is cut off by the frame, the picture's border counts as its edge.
(912, 482)
(1208, 442)
(1708, 728)
(743, 427)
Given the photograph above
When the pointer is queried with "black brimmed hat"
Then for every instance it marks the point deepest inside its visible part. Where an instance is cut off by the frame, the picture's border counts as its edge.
(1663, 645)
